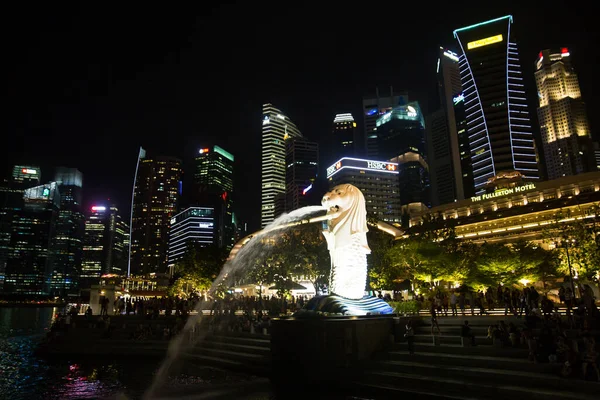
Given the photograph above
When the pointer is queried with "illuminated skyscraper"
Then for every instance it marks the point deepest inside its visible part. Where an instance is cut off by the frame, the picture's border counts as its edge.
(213, 187)
(68, 239)
(373, 108)
(276, 128)
(344, 141)
(444, 150)
(26, 175)
(302, 160)
(105, 249)
(156, 199)
(29, 261)
(568, 147)
(498, 123)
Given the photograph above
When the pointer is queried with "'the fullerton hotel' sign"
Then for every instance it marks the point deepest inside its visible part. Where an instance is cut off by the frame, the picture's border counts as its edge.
(503, 192)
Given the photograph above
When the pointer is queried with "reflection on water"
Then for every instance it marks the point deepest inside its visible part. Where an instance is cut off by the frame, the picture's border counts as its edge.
(23, 375)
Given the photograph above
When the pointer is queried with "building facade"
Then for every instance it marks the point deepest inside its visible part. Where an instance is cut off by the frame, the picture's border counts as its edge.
(498, 122)
(373, 108)
(29, 261)
(564, 128)
(195, 225)
(441, 131)
(377, 180)
(276, 128)
(105, 246)
(213, 187)
(155, 202)
(26, 175)
(70, 228)
(302, 166)
(401, 138)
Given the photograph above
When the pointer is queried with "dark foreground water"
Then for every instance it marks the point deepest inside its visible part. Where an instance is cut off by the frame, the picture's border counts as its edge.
(23, 375)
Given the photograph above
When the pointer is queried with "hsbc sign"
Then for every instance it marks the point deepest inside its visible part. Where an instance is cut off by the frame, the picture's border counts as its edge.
(355, 163)
(376, 165)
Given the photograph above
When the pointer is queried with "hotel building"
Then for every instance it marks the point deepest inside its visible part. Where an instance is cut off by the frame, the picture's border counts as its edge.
(498, 123)
(520, 211)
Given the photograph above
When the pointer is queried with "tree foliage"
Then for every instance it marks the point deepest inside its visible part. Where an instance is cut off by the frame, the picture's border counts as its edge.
(197, 270)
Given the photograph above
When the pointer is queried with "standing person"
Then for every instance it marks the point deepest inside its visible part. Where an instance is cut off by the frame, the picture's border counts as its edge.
(410, 337)
(507, 301)
(453, 301)
(461, 302)
(434, 321)
(467, 333)
(445, 304)
(489, 298)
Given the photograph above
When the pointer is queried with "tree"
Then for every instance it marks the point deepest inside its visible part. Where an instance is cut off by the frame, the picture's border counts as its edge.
(496, 263)
(197, 270)
(378, 262)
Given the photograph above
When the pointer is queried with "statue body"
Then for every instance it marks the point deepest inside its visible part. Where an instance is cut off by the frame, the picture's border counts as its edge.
(346, 237)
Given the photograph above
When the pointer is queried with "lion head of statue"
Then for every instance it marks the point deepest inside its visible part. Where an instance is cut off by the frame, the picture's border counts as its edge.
(347, 201)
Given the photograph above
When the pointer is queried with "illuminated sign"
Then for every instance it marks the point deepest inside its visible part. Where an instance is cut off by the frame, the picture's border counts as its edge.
(503, 192)
(202, 151)
(29, 171)
(457, 99)
(173, 220)
(359, 164)
(410, 111)
(266, 120)
(451, 55)
(98, 208)
(484, 42)
(46, 192)
(205, 225)
(564, 52)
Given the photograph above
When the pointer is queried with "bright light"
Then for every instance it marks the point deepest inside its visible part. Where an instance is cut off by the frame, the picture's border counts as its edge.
(307, 189)
(98, 208)
(524, 282)
(280, 116)
(484, 42)
(451, 55)
(29, 171)
(347, 117)
(202, 151)
(266, 120)
(458, 99)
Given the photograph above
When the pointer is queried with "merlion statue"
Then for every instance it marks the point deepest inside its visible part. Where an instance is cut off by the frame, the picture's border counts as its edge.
(346, 236)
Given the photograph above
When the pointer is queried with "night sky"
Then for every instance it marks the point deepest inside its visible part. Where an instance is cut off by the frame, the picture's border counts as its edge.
(86, 85)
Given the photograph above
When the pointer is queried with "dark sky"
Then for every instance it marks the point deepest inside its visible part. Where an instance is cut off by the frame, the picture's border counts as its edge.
(87, 84)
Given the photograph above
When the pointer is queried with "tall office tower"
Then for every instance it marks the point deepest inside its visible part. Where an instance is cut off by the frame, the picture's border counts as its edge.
(498, 124)
(213, 187)
(105, 249)
(443, 150)
(26, 175)
(597, 154)
(344, 140)
(377, 180)
(302, 166)
(401, 136)
(566, 140)
(194, 225)
(276, 128)
(373, 108)
(466, 167)
(70, 227)
(155, 202)
(29, 262)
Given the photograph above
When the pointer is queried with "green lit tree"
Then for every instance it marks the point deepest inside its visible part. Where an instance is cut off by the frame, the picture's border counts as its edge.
(196, 271)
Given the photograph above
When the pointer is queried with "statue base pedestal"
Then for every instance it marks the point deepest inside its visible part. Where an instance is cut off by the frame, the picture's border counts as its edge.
(322, 352)
(333, 304)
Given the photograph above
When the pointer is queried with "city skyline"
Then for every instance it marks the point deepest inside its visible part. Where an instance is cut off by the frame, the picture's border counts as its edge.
(108, 102)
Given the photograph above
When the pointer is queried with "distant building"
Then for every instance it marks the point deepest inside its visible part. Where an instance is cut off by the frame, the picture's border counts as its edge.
(156, 199)
(344, 139)
(401, 138)
(377, 180)
(70, 228)
(373, 108)
(442, 138)
(105, 247)
(26, 175)
(213, 187)
(302, 166)
(497, 114)
(194, 225)
(597, 154)
(276, 128)
(564, 128)
(29, 260)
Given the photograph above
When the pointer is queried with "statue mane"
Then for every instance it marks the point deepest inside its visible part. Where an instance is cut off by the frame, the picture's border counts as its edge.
(351, 221)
